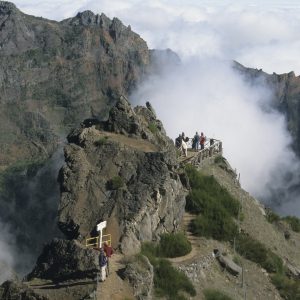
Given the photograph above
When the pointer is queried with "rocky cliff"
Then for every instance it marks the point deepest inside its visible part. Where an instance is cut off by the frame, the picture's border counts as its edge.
(123, 171)
(55, 74)
(286, 96)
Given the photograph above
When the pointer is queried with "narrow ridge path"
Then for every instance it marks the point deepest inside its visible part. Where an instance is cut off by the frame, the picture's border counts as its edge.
(114, 288)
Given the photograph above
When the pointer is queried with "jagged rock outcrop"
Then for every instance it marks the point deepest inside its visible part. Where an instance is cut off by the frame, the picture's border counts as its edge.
(64, 260)
(286, 89)
(122, 171)
(55, 74)
(140, 274)
(17, 290)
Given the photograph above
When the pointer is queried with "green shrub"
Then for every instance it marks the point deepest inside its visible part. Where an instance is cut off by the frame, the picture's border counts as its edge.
(288, 288)
(153, 128)
(170, 245)
(101, 141)
(216, 205)
(258, 253)
(115, 183)
(218, 224)
(272, 217)
(294, 222)
(205, 191)
(168, 281)
(211, 294)
(174, 245)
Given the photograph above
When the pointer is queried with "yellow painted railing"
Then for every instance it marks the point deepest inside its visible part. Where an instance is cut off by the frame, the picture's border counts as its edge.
(94, 241)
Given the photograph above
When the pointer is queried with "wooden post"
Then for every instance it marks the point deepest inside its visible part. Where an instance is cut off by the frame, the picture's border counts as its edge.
(220, 147)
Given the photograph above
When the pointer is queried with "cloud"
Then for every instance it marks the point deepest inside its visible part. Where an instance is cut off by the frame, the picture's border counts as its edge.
(7, 252)
(209, 96)
(259, 34)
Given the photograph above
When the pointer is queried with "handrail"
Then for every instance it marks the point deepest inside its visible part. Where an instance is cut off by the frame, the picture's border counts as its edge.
(215, 147)
(93, 242)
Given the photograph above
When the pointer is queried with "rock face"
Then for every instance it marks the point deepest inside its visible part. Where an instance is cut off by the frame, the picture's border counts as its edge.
(286, 88)
(140, 275)
(64, 260)
(122, 171)
(16, 290)
(55, 74)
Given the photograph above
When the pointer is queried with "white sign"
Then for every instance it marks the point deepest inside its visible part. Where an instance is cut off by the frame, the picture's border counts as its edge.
(101, 226)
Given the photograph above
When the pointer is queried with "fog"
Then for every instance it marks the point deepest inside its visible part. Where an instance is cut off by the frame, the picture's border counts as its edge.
(210, 96)
(28, 216)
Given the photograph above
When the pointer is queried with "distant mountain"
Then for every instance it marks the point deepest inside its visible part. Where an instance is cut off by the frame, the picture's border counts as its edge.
(286, 89)
(55, 74)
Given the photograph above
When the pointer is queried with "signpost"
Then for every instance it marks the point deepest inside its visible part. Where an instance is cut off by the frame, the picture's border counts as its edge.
(100, 228)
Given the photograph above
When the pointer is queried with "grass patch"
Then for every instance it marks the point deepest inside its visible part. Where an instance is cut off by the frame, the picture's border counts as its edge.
(294, 222)
(168, 281)
(100, 142)
(115, 183)
(272, 217)
(153, 128)
(288, 289)
(170, 245)
(258, 253)
(215, 206)
(211, 294)
(174, 245)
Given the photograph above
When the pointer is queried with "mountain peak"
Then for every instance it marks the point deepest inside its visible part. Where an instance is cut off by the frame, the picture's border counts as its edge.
(6, 8)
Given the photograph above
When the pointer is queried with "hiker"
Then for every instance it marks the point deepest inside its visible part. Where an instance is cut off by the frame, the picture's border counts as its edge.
(196, 140)
(202, 140)
(178, 141)
(108, 250)
(183, 148)
(102, 264)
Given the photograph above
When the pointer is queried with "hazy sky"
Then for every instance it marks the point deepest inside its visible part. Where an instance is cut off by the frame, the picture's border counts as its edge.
(204, 93)
(263, 33)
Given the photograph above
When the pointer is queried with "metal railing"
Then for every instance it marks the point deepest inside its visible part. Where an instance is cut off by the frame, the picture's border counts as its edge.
(93, 242)
(211, 148)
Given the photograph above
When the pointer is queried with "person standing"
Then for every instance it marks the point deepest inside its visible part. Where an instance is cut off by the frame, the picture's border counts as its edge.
(202, 140)
(108, 250)
(197, 141)
(102, 265)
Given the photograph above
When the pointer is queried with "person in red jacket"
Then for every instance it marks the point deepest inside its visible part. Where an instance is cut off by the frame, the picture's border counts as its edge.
(202, 140)
(109, 252)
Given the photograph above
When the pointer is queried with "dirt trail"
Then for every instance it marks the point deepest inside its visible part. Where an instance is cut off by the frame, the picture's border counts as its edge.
(194, 240)
(114, 288)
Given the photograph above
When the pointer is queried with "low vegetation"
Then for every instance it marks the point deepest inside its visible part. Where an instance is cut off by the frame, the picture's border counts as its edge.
(258, 253)
(115, 183)
(170, 245)
(211, 294)
(25, 169)
(101, 141)
(168, 281)
(288, 288)
(153, 128)
(294, 222)
(215, 207)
